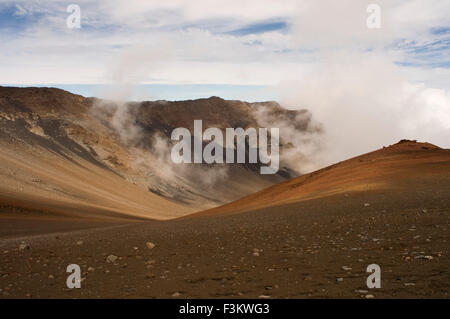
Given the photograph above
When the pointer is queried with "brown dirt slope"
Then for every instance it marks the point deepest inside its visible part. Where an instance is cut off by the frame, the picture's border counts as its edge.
(397, 167)
(313, 237)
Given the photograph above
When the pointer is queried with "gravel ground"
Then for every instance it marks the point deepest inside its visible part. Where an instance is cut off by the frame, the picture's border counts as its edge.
(314, 249)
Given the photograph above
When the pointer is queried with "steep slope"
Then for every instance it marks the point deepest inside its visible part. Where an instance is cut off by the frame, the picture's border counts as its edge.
(43, 169)
(65, 153)
(407, 166)
(41, 181)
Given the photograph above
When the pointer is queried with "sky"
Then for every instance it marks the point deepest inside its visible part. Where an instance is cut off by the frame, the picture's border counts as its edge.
(232, 43)
(314, 54)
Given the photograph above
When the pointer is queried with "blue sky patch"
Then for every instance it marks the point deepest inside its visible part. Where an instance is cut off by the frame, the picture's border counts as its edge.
(258, 28)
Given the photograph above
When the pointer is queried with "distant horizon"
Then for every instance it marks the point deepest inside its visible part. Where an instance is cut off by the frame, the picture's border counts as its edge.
(169, 92)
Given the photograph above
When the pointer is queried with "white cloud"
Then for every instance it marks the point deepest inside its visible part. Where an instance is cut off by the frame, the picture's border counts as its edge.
(364, 102)
(189, 40)
(20, 11)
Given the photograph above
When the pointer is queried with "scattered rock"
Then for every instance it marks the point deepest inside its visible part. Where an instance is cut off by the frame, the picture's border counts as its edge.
(366, 204)
(340, 279)
(90, 269)
(111, 258)
(424, 211)
(24, 246)
(176, 294)
(346, 268)
(150, 245)
(361, 291)
(51, 277)
(424, 257)
(409, 284)
(150, 262)
(80, 242)
(370, 296)
(263, 296)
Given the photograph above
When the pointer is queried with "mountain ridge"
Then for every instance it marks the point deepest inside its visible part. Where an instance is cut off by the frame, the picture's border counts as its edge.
(128, 140)
(371, 171)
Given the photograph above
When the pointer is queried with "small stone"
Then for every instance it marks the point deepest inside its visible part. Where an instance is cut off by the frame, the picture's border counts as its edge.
(111, 258)
(340, 279)
(370, 296)
(90, 269)
(150, 245)
(51, 277)
(424, 211)
(424, 257)
(263, 296)
(256, 254)
(409, 284)
(80, 242)
(176, 294)
(346, 268)
(24, 246)
(366, 204)
(361, 291)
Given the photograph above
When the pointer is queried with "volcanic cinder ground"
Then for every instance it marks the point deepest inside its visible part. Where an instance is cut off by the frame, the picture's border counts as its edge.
(307, 237)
